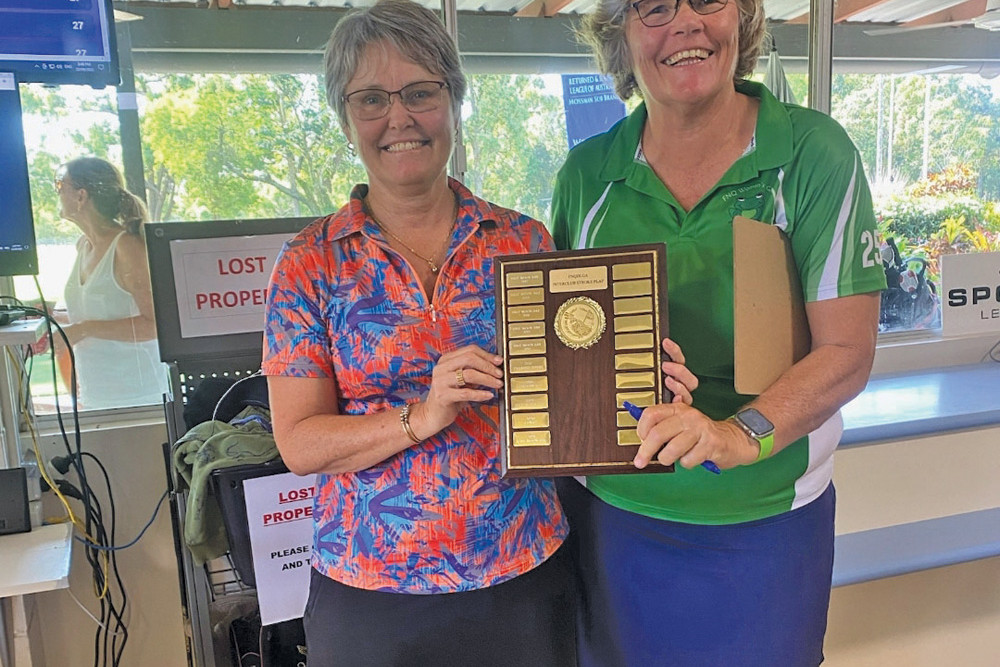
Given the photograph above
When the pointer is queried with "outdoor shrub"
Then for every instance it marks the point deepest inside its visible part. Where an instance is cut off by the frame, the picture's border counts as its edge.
(917, 219)
(958, 179)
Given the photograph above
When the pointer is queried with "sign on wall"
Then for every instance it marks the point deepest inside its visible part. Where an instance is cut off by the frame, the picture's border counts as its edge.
(591, 106)
(970, 286)
(279, 515)
(221, 283)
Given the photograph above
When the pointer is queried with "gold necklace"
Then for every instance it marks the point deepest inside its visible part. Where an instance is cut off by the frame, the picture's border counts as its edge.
(430, 262)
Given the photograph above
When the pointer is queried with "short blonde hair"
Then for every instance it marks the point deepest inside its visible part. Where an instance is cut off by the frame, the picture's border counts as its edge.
(603, 30)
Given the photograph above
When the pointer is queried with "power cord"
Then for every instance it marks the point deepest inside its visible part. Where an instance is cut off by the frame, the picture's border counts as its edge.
(62, 465)
(98, 533)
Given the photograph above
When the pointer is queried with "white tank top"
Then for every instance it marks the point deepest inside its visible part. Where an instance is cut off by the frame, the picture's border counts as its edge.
(111, 373)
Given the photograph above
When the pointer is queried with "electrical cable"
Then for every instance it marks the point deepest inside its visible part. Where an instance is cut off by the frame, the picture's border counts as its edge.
(138, 537)
(215, 410)
(97, 528)
(114, 565)
(84, 609)
(25, 410)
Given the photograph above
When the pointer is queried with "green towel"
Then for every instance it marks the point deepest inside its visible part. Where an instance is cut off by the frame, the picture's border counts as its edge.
(209, 446)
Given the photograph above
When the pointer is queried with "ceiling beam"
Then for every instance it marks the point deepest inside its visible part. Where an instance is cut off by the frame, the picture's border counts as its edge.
(537, 8)
(844, 10)
(965, 11)
(847, 9)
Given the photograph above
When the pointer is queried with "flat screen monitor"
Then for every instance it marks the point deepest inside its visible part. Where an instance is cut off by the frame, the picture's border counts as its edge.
(59, 41)
(18, 253)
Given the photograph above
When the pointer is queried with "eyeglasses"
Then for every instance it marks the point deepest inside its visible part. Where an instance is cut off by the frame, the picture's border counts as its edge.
(418, 97)
(654, 13)
(60, 180)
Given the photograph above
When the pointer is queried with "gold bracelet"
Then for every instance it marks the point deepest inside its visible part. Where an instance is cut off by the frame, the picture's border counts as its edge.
(404, 419)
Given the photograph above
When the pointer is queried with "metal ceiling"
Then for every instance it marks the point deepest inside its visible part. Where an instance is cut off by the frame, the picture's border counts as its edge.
(507, 35)
(897, 12)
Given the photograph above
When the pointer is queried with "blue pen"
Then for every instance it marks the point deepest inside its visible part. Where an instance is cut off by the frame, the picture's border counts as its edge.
(636, 412)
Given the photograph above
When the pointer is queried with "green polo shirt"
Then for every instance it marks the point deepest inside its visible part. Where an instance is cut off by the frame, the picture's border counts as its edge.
(803, 174)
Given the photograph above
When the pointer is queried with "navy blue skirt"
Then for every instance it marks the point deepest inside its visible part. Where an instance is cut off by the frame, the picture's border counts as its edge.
(654, 592)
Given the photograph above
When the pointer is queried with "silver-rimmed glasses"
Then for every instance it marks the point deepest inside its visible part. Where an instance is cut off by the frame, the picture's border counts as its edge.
(374, 103)
(654, 13)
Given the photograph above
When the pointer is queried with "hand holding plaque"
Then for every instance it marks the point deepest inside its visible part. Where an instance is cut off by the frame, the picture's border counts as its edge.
(580, 334)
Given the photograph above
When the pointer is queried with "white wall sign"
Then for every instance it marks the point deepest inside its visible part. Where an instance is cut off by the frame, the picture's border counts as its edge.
(970, 299)
(279, 514)
(221, 283)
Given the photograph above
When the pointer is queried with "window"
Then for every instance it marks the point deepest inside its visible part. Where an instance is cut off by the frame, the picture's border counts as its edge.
(514, 133)
(243, 145)
(59, 124)
(227, 146)
(931, 148)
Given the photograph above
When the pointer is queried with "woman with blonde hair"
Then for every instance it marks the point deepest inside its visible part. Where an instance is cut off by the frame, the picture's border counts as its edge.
(109, 301)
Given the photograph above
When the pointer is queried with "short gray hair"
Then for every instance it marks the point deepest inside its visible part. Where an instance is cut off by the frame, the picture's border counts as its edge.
(415, 30)
(603, 31)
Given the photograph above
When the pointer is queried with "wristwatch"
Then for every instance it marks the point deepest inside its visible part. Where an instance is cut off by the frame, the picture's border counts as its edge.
(758, 427)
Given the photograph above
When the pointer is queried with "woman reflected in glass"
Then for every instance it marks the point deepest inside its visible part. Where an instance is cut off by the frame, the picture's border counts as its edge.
(109, 302)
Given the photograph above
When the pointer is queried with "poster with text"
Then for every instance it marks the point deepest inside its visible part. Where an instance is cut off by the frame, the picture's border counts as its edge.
(591, 106)
(279, 514)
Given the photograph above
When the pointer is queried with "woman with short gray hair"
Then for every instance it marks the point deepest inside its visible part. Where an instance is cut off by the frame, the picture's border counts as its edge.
(380, 352)
(404, 25)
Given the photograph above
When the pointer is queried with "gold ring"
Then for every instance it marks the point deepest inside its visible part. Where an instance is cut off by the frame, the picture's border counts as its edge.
(460, 376)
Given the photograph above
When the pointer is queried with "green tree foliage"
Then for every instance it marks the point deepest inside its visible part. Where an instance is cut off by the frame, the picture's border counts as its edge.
(219, 147)
(962, 118)
(243, 146)
(917, 218)
(252, 145)
(515, 138)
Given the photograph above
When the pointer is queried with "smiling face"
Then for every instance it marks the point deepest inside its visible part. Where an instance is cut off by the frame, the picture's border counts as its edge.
(691, 60)
(403, 152)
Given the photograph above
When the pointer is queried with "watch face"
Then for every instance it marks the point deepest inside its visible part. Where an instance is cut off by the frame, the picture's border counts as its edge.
(755, 421)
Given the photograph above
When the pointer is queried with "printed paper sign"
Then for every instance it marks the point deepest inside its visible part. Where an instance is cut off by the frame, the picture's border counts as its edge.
(970, 286)
(221, 283)
(279, 514)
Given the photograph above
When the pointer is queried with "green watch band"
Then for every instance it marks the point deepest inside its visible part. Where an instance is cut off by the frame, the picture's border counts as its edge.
(758, 427)
(766, 445)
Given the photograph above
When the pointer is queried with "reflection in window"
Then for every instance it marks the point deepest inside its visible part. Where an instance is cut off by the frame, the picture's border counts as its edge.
(214, 147)
(59, 124)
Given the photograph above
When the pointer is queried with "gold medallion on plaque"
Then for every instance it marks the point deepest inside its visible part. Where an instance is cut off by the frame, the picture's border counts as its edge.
(580, 322)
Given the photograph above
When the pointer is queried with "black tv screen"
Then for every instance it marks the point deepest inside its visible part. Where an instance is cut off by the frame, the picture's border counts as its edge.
(59, 41)
(18, 253)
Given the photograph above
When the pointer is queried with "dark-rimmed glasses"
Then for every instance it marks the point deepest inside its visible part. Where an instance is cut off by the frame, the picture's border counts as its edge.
(418, 97)
(654, 13)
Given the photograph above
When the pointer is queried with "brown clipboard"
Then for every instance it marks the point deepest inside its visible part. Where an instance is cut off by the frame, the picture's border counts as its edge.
(771, 332)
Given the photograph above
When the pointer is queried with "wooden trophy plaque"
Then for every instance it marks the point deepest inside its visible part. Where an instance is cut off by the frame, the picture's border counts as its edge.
(580, 333)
